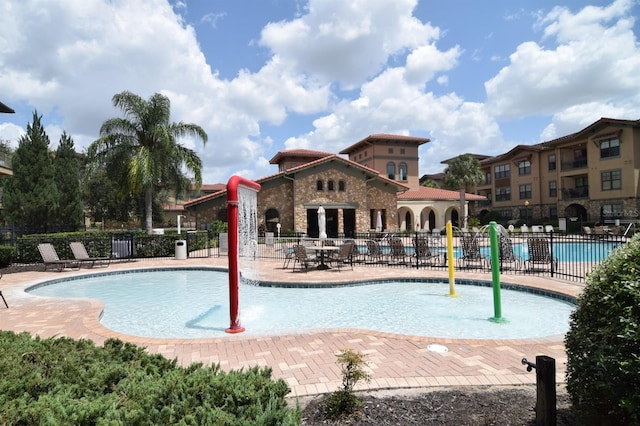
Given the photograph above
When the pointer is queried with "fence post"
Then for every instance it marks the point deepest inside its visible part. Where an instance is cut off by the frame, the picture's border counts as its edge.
(545, 389)
(551, 252)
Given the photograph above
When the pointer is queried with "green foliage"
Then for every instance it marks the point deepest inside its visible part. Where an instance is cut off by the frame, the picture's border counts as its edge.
(603, 360)
(344, 401)
(6, 255)
(491, 216)
(463, 172)
(67, 178)
(31, 196)
(141, 150)
(63, 381)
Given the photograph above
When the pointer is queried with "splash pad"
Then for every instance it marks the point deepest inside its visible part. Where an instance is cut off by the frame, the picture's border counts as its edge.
(241, 210)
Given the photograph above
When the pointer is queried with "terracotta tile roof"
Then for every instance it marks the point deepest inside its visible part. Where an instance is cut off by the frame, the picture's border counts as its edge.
(379, 137)
(297, 153)
(437, 194)
(331, 157)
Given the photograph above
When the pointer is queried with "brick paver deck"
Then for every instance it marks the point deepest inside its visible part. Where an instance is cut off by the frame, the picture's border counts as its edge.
(306, 361)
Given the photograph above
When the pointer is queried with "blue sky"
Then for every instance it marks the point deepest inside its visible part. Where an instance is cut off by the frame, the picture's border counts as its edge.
(264, 75)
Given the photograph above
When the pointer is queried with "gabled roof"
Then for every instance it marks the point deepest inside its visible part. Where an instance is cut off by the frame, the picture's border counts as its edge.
(384, 137)
(478, 157)
(592, 129)
(437, 194)
(6, 109)
(513, 153)
(371, 173)
(298, 153)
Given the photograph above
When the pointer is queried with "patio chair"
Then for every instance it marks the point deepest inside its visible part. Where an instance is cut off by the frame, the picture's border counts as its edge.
(471, 256)
(374, 253)
(80, 253)
(423, 253)
(344, 256)
(539, 254)
(289, 254)
(398, 253)
(508, 259)
(301, 258)
(50, 258)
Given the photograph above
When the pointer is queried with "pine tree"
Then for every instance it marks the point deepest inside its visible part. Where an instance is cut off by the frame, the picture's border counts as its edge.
(31, 197)
(67, 177)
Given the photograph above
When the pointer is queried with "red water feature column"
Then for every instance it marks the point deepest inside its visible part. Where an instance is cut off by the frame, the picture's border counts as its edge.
(234, 257)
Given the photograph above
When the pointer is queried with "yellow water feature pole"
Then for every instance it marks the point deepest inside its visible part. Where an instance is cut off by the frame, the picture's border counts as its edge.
(452, 280)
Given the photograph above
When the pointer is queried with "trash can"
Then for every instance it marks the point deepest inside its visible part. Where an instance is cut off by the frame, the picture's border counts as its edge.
(181, 249)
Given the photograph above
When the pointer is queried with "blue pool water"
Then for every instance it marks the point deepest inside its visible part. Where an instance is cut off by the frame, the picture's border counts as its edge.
(562, 251)
(195, 304)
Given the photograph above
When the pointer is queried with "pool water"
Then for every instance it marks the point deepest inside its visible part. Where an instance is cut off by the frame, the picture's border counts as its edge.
(195, 304)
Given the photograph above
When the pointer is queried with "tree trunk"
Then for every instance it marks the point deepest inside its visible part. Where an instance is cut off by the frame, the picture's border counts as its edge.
(148, 210)
(463, 216)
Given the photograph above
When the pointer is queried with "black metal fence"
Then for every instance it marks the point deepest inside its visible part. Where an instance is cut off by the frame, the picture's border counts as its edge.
(565, 256)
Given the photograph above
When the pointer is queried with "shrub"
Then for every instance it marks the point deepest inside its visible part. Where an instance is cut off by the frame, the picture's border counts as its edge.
(63, 381)
(603, 360)
(344, 402)
(6, 256)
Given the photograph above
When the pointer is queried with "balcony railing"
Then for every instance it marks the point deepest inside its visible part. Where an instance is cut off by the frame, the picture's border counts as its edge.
(572, 193)
(577, 163)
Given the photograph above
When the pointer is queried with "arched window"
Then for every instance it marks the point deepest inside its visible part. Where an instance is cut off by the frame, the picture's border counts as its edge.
(320, 185)
(391, 170)
(331, 186)
(341, 186)
(402, 171)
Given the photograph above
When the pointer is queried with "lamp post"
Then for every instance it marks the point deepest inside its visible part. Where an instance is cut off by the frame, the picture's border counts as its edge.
(526, 209)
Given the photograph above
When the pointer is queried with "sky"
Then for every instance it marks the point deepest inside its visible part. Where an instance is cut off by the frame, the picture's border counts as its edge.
(261, 76)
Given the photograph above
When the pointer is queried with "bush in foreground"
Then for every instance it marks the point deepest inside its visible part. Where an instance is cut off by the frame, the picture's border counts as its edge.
(603, 361)
(64, 381)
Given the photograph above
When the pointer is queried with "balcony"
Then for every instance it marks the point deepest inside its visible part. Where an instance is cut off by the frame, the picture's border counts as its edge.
(573, 193)
(576, 163)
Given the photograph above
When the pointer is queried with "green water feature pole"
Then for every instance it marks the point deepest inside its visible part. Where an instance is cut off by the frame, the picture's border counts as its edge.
(495, 272)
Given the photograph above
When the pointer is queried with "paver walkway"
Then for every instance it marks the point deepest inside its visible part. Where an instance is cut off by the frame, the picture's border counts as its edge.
(306, 361)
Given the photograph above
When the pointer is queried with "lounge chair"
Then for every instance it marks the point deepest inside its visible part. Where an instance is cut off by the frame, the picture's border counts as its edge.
(471, 256)
(51, 259)
(398, 253)
(3, 299)
(540, 254)
(508, 259)
(423, 253)
(374, 253)
(80, 253)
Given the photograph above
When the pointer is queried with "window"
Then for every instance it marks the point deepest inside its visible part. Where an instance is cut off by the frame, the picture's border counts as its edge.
(487, 178)
(525, 191)
(391, 170)
(502, 171)
(331, 186)
(553, 212)
(402, 151)
(341, 186)
(320, 185)
(553, 188)
(506, 214)
(390, 150)
(611, 180)
(525, 213)
(524, 167)
(402, 171)
(610, 148)
(503, 193)
(552, 162)
(612, 211)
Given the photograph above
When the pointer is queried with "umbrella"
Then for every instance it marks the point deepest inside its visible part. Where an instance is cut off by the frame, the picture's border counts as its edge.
(322, 222)
(379, 222)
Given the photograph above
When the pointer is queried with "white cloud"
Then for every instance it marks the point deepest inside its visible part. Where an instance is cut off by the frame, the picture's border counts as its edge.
(10, 133)
(597, 59)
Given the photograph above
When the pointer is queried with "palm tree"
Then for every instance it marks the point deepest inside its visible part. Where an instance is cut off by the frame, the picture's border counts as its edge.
(463, 172)
(141, 149)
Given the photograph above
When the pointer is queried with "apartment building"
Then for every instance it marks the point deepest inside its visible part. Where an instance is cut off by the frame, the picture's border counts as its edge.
(591, 176)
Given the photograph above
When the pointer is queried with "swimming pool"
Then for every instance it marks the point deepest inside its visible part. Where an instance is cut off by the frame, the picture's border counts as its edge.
(574, 251)
(194, 303)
